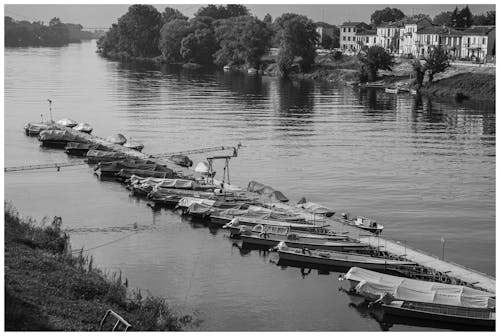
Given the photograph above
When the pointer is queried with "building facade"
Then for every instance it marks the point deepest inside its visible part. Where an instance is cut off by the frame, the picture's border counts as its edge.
(408, 36)
(478, 43)
(366, 38)
(348, 32)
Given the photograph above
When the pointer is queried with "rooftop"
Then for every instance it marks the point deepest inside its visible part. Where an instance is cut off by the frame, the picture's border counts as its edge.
(353, 24)
(366, 32)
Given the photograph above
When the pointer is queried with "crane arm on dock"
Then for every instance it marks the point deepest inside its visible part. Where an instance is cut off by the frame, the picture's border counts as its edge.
(197, 151)
(44, 166)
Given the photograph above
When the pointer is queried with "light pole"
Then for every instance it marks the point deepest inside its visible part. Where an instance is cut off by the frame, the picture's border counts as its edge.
(443, 241)
(50, 109)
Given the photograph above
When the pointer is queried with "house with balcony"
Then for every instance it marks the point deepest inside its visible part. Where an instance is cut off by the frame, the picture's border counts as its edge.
(408, 35)
(426, 39)
(366, 38)
(478, 43)
(348, 32)
(388, 35)
(451, 41)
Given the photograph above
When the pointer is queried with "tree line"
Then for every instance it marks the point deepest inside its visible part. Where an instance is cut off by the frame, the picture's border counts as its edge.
(216, 35)
(454, 19)
(37, 34)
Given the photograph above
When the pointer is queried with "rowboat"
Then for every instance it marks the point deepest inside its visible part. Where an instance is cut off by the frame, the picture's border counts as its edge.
(171, 196)
(424, 299)
(272, 235)
(336, 259)
(362, 223)
(59, 138)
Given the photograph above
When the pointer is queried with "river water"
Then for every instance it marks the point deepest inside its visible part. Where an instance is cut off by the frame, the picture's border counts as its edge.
(423, 168)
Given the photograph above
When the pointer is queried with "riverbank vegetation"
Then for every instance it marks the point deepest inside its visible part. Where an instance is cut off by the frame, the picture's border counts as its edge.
(37, 34)
(48, 287)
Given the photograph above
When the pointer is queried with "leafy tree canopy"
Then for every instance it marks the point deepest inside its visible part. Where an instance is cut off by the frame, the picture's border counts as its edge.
(487, 19)
(170, 14)
(376, 58)
(222, 12)
(437, 61)
(443, 19)
(386, 15)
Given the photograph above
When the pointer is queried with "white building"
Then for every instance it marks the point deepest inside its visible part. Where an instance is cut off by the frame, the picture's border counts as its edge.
(408, 35)
(366, 38)
(348, 32)
(478, 43)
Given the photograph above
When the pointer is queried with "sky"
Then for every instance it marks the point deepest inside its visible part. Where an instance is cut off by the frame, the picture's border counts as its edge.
(102, 16)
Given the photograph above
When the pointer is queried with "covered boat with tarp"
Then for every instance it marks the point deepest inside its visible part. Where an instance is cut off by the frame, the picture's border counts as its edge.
(127, 173)
(265, 190)
(224, 216)
(67, 122)
(170, 196)
(59, 138)
(424, 299)
(314, 208)
(134, 145)
(181, 160)
(96, 156)
(117, 139)
(34, 129)
(83, 127)
(113, 167)
(78, 148)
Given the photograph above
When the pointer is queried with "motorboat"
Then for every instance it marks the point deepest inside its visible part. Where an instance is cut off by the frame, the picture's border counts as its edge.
(424, 299)
(336, 259)
(272, 235)
(235, 224)
(66, 122)
(362, 223)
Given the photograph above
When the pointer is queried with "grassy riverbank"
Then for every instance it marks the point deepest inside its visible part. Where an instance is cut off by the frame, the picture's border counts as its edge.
(47, 287)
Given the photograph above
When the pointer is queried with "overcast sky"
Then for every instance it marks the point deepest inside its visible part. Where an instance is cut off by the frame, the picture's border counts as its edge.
(102, 16)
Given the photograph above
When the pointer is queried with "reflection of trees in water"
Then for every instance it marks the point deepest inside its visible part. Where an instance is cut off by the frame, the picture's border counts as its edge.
(376, 99)
(249, 89)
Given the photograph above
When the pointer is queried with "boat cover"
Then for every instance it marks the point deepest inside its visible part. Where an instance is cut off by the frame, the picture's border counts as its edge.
(83, 127)
(186, 202)
(79, 145)
(177, 184)
(165, 192)
(134, 145)
(199, 209)
(105, 154)
(60, 135)
(314, 208)
(262, 189)
(117, 139)
(182, 160)
(67, 122)
(127, 173)
(374, 284)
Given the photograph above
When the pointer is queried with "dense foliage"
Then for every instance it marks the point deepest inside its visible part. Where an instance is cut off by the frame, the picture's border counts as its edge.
(463, 18)
(297, 38)
(36, 34)
(375, 58)
(437, 61)
(242, 40)
(386, 15)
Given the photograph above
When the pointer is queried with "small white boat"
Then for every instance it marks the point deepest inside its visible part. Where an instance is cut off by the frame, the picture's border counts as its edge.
(83, 127)
(67, 122)
(362, 223)
(337, 259)
(227, 68)
(252, 71)
(392, 90)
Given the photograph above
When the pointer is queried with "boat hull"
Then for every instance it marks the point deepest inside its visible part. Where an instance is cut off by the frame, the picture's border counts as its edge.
(312, 259)
(347, 246)
(435, 316)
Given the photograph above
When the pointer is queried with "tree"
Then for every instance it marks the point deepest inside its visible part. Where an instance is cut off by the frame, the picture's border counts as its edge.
(376, 58)
(221, 12)
(297, 37)
(419, 71)
(243, 40)
(484, 20)
(455, 20)
(466, 17)
(171, 36)
(198, 47)
(139, 31)
(386, 15)
(421, 16)
(443, 19)
(54, 22)
(170, 14)
(437, 61)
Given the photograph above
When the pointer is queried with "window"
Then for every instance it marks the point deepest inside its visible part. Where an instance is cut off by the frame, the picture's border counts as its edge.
(343, 38)
(348, 38)
(343, 29)
(374, 40)
(367, 39)
(484, 40)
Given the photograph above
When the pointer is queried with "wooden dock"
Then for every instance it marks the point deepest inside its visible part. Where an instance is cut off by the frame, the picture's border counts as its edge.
(478, 279)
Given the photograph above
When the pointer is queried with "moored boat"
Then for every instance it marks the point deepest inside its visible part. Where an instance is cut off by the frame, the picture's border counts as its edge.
(83, 127)
(34, 129)
(424, 299)
(336, 259)
(67, 122)
(392, 90)
(272, 235)
(362, 223)
(237, 223)
(134, 145)
(59, 138)
(78, 148)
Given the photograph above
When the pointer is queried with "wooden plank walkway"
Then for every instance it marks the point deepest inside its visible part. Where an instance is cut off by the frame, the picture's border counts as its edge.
(463, 273)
